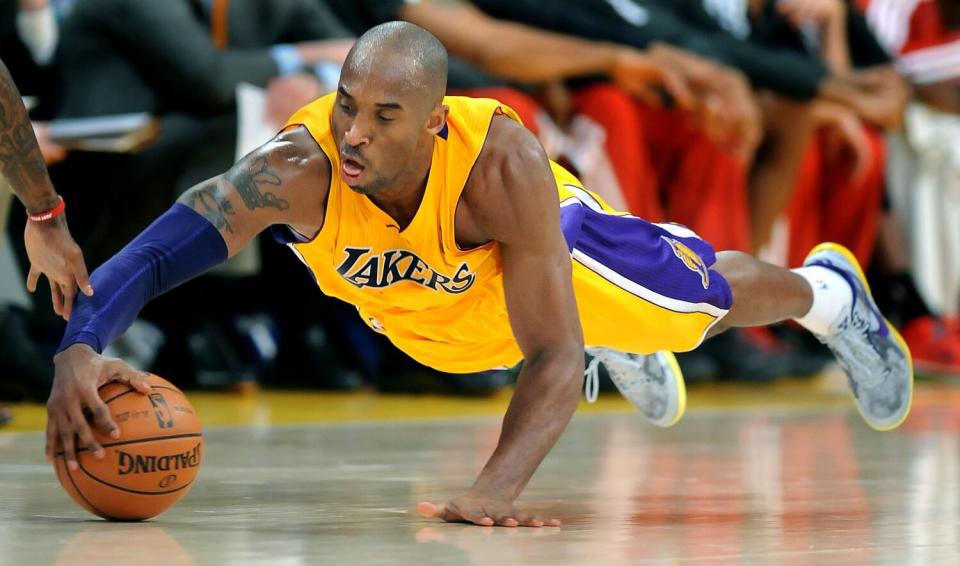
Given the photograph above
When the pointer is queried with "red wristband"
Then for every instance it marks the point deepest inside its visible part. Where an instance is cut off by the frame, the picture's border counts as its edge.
(49, 214)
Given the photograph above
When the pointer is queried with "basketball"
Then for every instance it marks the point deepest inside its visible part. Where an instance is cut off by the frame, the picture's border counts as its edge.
(153, 463)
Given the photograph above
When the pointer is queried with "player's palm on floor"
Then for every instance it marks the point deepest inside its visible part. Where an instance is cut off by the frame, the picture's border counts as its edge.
(485, 512)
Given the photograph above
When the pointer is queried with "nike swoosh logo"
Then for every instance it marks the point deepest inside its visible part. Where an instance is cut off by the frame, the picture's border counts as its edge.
(882, 329)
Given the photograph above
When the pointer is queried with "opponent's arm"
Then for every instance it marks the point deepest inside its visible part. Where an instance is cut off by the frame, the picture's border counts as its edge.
(943, 96)
(282, 182)
(512, 198)
(878, 95)
(21, 162)
(50, 247)
(726, 106)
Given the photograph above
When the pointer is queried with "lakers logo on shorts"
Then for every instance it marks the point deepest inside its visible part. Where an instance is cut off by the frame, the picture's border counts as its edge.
(690, 259)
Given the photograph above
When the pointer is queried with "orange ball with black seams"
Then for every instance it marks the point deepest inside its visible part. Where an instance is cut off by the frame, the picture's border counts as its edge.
(153, 463)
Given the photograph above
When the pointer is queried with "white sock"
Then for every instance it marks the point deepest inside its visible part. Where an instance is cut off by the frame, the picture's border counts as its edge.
(832, 295)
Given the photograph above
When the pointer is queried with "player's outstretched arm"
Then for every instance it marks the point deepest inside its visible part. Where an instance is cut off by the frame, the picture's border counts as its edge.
(282, 182)
(512, 198)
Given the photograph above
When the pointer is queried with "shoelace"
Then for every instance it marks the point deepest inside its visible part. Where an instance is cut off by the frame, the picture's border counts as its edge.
(591, 375)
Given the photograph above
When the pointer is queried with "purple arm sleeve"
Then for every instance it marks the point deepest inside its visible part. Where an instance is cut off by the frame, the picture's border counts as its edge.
(177, 247)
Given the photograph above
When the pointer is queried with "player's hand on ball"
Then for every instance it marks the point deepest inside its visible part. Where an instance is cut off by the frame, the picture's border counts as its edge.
(482, 511)
(79, 371)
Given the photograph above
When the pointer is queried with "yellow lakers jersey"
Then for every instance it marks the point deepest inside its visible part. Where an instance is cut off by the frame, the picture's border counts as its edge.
(640, 287)
(433, 300)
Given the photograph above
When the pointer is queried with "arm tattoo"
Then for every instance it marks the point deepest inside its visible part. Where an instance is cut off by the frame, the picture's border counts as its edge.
(21, 162)
(248, 184)
(212, 205)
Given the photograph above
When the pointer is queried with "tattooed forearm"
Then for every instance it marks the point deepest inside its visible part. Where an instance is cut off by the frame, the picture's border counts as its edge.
(249, 181)
(21, 162)
(212, 205)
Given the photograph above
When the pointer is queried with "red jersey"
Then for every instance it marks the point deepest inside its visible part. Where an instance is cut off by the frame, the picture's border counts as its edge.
(915, 33)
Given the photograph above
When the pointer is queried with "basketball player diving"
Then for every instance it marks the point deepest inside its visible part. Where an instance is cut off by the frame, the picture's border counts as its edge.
(446, 225)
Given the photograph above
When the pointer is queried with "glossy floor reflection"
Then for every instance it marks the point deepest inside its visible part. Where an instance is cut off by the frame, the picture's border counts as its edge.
(752, 485)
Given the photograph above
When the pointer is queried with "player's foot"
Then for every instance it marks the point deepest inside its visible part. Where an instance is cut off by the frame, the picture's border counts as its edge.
(653, 383)
(870, 351)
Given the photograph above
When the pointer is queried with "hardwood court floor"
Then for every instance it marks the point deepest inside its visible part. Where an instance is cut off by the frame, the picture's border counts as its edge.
(740, 480)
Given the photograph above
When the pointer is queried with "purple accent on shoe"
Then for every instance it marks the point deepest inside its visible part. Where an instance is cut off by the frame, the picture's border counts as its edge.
(857, 288)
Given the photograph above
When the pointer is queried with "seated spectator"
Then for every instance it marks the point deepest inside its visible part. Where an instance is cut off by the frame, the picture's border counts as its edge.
(839, 191)
(831, 180)
(839, 184)
(182, 60)
(120, 56)
(722, 31)
(924, 176)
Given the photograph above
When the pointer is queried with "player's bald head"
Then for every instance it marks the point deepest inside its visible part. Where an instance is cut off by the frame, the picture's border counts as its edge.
(404, 54)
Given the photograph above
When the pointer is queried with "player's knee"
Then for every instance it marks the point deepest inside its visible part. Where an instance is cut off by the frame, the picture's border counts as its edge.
(738, 269)
(729, 262)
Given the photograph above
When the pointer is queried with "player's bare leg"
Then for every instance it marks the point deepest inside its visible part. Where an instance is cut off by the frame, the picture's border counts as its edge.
(762, 293)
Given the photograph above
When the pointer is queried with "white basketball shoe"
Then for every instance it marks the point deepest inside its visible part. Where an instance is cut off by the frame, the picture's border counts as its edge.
(868, 348)
(653, 383)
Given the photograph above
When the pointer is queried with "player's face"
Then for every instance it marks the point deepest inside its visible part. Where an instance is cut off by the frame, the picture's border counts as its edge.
(379, 127)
